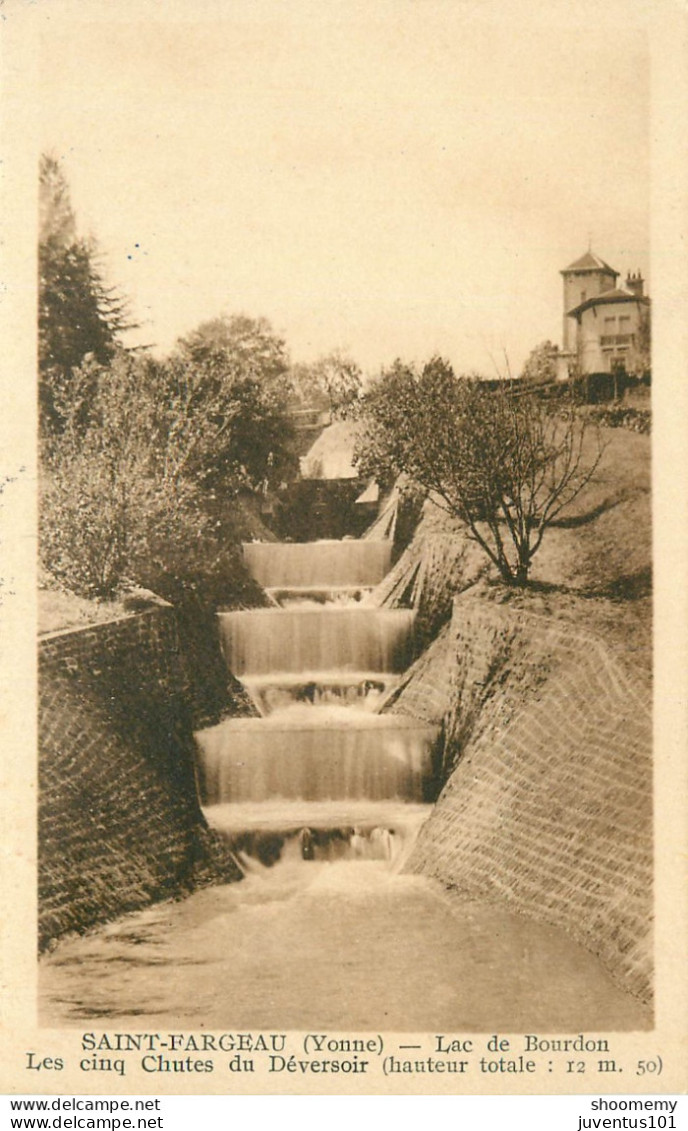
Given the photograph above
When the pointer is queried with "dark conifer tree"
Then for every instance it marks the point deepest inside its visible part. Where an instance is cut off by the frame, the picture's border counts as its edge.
(78, 314)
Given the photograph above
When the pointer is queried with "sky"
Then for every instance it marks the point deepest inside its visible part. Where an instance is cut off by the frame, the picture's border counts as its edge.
(394, 179)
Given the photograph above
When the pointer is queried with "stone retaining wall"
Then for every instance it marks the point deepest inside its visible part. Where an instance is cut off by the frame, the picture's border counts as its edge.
(439, 562)
(548, 807)
(119, 820)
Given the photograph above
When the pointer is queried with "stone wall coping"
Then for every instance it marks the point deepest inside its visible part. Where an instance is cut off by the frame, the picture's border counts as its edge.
(59, 633)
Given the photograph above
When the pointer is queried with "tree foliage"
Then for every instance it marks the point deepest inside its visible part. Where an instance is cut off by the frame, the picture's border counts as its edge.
(112, 490)
(78, 313)
(332, 382)
(540, 367)
(639, 361)
(236, 343)
(505, 464)
(228, 390)
(130, 478)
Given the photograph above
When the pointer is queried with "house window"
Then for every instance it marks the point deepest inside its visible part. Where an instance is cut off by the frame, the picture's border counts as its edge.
(584, 295)
(624, 322)
(610, 324)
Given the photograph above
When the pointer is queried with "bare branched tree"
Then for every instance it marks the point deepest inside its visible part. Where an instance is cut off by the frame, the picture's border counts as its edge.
(505, 463)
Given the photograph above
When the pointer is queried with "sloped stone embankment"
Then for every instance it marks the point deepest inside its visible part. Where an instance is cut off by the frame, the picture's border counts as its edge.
(548, 803)
(119, 821)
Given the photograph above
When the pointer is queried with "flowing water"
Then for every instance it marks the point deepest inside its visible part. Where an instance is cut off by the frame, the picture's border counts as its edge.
(346, 946)
(316, 754)
(320, 772)
(316, 638)
(320, 799)
(299, 565)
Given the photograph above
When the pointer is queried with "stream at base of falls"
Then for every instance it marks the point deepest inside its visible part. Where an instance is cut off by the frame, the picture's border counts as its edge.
(320, 798)
(346, 946)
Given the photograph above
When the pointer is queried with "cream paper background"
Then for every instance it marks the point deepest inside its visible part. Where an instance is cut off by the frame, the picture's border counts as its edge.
(21, 26)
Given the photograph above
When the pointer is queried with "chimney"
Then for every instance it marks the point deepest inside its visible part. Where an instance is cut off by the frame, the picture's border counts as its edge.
(635, 283)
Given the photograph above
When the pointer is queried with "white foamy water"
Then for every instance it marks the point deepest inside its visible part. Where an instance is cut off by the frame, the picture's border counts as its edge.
(324, 831)
(316, 754)
(280, 691)
(303, 597)
(404, 817)
(321, 638)
(289, 565)
(346, 946)
(293, 783)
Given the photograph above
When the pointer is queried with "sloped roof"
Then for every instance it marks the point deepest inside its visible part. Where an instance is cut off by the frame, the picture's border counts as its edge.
(331, 455)
(615, 295)
(371, 493)
(589, 262)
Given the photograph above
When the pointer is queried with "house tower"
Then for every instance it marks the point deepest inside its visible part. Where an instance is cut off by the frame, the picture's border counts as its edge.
(584, 279)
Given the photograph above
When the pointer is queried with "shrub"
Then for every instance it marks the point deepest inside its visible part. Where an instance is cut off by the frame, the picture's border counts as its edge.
(110, 491)
(624, 416)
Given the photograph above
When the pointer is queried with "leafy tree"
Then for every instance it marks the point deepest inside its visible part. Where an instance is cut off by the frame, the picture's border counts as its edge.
(540, 367)
(639, 361)
(236, 343)
(113, 494)
(333, 382)
(78, 314)
(227, 390)
(503, 463)
(128, 480)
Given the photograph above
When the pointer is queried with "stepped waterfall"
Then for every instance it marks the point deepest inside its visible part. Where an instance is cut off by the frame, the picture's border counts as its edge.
(319, 771)
(320, 797)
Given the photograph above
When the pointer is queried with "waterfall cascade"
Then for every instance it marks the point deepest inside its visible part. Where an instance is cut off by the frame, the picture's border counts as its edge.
(322, 753)
(318, 638)
(320, 774)
(299, 565)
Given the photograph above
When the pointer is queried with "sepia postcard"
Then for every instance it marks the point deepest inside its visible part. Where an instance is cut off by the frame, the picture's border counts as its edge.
(344, 544)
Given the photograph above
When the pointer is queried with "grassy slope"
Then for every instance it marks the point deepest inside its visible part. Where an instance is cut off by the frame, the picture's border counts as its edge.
(595, 565)
(58, 610)
(593, 568)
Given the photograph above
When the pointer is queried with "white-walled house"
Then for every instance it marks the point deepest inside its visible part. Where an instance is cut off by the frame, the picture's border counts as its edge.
(602, 321)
